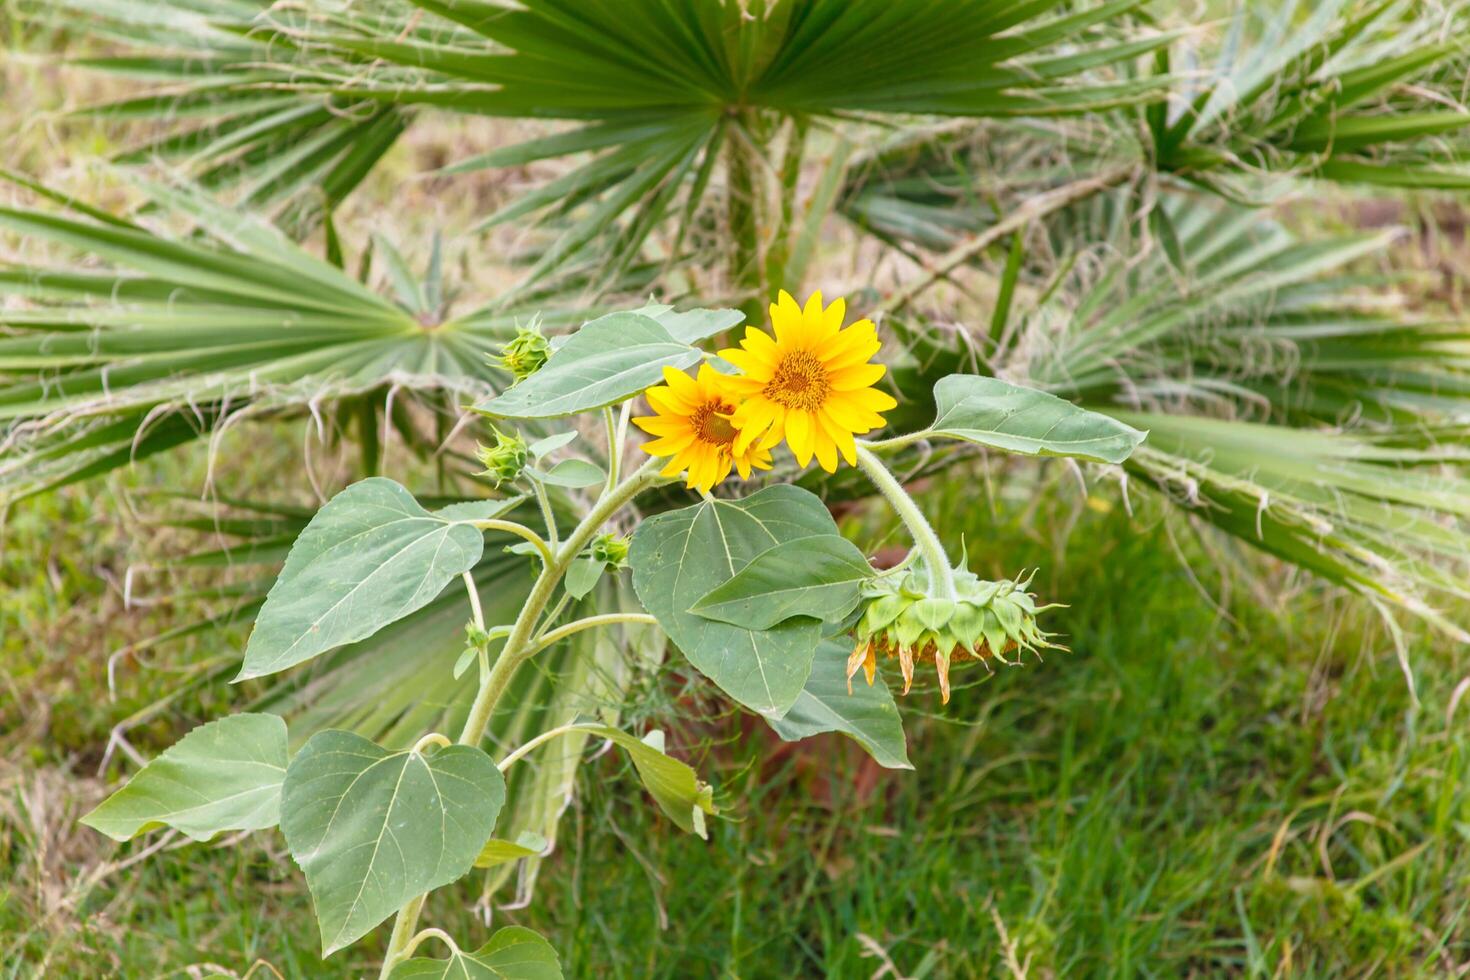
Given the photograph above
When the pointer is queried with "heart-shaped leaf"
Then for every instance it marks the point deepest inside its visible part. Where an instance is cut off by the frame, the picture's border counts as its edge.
(679, 557)
(1000, 415)
(513, 953)
(372, 828)
(371, 556)
(868, 714)
(224, 775)
(609, 360)
(819, 576)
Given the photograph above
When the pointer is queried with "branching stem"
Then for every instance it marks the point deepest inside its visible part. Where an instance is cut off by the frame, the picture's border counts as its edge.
(521, 531)
(520, 646)
(540, 740)
(591, 622)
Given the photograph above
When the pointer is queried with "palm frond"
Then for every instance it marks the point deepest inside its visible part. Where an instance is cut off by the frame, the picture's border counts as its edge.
(1345, 90)
(210, 104)
(1292, 401)
(177, 334)
(673, 105)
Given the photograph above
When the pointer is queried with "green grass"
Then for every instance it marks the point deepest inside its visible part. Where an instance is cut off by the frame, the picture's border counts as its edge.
(1183, 794)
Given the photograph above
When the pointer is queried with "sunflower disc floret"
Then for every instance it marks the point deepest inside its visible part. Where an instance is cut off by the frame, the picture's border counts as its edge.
(985, 621)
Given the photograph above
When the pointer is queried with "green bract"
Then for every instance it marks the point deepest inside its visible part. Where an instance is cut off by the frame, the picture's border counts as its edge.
(611, 550)
(983, 621)
(524, 355)
(505, 460)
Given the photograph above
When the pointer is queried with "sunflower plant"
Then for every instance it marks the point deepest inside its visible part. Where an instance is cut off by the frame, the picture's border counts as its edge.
(753, 581)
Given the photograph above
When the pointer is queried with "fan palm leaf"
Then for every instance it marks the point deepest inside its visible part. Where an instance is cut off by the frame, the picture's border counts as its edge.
(1290, 401)
(182, 332)
(670, 102)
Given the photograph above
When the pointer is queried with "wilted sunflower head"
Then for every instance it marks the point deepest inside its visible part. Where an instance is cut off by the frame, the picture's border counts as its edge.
(984, 621)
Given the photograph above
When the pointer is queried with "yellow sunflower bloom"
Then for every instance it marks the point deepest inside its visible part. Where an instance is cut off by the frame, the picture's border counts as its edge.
(811, 385)
(694, 428)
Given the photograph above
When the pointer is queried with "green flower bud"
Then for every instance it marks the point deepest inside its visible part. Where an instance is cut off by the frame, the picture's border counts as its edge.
(984, 621)
(524, 355)
(611, 550)
(504, 461)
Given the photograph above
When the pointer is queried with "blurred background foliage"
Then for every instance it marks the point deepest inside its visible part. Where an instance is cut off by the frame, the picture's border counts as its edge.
(250, 252)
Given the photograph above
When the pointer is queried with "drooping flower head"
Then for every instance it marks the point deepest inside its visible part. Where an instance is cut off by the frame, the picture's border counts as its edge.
(984, 621)
(812, 384)
(695, 428)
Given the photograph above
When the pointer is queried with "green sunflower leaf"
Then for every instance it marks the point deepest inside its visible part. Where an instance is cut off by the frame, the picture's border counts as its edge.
(497, 852)
(680, 557)
(607, 361)
(225, 775)
(571, 473)
(999, 415)
(513, 953)
(677, 789)
(819, 576)
(693, 326)
(372, 828)
(582, 577)
(371, 556)
(867, 715)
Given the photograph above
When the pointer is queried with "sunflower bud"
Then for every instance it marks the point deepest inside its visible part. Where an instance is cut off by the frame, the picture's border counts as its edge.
(985, 621)
(503, 461)
(611, 550)
(524, 355)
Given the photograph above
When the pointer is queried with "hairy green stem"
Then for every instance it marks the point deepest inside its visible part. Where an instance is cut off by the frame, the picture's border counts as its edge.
(521, 531)
(941, 573)
(403, 926)
(897, 442)
(546, 512)
(431, 933)
(475, 611)
(591, 622)
(540, 740)
(614, 445)
(518, 648)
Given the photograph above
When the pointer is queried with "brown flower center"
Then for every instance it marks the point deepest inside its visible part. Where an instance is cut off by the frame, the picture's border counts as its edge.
(710, 424)
(800, 382)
